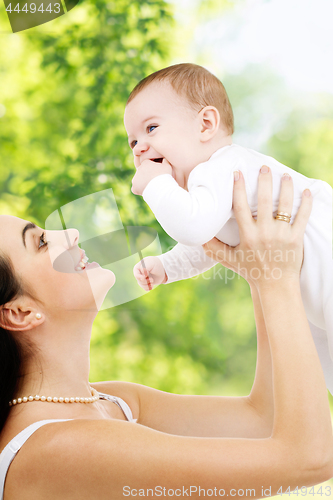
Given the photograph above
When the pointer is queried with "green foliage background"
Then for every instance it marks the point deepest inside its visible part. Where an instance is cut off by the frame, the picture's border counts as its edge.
(64, 87)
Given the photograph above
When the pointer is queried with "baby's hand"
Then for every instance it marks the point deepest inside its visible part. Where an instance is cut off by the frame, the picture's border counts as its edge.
(149, 272)
(146, 172)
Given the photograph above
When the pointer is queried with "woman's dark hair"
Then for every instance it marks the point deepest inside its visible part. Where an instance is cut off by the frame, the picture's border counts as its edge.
(11, 354)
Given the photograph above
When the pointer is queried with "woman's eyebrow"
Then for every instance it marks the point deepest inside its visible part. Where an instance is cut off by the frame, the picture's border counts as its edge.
(30, 225)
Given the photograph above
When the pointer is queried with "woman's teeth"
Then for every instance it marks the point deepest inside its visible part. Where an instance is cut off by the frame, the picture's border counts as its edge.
(82, 264)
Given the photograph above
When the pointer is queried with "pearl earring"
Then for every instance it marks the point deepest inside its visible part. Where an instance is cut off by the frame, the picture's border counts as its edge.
(38, 316)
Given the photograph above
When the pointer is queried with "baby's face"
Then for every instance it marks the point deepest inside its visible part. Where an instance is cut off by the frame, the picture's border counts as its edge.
(160, 124)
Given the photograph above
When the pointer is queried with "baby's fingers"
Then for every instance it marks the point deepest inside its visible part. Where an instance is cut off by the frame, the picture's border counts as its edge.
(303, 214)
(140, 272)
(137, 270)
(145, 279)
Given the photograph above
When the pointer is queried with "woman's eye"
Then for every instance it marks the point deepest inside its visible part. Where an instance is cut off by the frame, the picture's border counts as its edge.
(151, 128)
(42, 241)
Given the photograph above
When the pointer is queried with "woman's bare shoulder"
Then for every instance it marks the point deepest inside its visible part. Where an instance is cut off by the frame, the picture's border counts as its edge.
(90, 459)
(105, 459)
(60, 453)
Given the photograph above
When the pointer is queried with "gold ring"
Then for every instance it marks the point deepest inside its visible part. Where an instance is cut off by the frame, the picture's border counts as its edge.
(281, 217)
(284, 214)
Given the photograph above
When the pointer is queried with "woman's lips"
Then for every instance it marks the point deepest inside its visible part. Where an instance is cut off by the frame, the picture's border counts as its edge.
(87, 266)
(92, 265)
(83, 262)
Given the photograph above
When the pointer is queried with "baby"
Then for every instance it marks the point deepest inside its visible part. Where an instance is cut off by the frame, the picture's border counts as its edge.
(180, 124)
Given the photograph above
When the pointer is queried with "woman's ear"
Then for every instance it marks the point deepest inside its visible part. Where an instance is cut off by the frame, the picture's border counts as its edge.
(209, 122)
(20, 315)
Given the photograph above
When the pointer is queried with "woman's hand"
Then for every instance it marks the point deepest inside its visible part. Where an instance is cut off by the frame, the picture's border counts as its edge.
(269, 249)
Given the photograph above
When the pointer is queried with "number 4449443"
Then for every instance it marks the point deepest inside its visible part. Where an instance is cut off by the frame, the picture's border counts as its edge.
(31, 8)
(303, 491)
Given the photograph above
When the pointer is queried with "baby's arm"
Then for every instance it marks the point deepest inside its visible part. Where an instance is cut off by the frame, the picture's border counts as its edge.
(182, 262)
(192, 217)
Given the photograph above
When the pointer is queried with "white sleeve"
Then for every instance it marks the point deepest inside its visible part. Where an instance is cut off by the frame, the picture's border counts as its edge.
(195, 216)
(183, 262)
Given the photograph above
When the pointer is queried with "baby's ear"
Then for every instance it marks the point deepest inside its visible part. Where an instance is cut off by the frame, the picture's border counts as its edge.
(209, 123)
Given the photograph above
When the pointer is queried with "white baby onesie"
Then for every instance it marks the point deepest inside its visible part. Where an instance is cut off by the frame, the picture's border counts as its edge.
(195, 216)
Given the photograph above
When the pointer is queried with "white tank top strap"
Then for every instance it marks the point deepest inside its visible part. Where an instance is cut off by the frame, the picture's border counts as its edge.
(122, 405)
(8, 453)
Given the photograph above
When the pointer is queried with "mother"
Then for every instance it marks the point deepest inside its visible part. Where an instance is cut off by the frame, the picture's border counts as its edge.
(276, 438)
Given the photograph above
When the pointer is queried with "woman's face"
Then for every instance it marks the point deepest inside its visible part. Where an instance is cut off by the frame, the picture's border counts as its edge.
(50, 263)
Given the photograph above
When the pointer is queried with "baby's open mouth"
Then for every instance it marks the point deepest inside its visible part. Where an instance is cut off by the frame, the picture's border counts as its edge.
(157, 160)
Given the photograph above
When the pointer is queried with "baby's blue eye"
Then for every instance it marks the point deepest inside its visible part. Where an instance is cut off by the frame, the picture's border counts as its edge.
(151, 127)
(133, 144)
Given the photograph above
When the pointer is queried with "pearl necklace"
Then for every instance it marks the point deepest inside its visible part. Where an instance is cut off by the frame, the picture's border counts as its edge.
(25, 399)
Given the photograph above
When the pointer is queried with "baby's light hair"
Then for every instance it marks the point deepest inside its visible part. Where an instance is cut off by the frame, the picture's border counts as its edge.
(200, 87)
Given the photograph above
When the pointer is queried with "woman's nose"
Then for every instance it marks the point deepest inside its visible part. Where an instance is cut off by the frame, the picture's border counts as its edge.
(63, 249)
(72, 236)
(67, 238)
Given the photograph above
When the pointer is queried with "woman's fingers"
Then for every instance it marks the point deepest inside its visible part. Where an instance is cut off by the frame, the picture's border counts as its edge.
(286, 195)
(268, 233)
(240, 205)
(265, 195)
(219, 251)
(303, 213)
